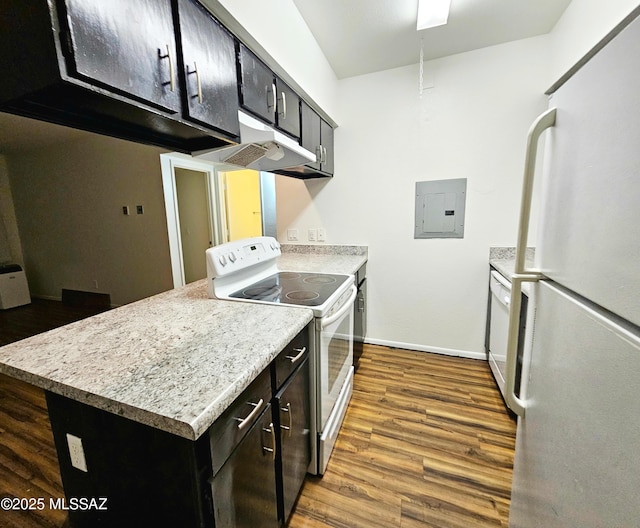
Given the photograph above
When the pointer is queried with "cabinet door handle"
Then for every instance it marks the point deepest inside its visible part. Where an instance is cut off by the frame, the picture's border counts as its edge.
(172, 75)
(287, 410)
(283, 113)
(195, 70)
(273, 100)
(323, 154)
(295, 359)
(246, 421)
(271, 429)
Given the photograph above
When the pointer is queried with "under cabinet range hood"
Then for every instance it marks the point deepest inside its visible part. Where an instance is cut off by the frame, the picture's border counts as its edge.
(261, 148)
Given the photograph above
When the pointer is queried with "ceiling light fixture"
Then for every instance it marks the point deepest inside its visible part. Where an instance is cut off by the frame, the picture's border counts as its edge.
(432, 13)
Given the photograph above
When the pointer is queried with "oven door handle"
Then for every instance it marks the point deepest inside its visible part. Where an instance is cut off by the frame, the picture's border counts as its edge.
(326, 321)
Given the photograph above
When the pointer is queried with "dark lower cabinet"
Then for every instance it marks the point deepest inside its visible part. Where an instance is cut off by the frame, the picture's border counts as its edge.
(244, 489)
(291, 405)
(147, 476)
(245, 472)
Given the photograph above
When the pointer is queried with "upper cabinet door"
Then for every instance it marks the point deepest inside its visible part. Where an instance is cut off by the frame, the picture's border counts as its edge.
(326, 141)
(128, 46)
(288, 106)
(310, 133)
(209, 56)
(257, 86)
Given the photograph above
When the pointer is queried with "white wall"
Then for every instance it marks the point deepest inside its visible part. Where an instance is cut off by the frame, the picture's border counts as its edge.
(68, 201)
(427, 294)
(582, 26)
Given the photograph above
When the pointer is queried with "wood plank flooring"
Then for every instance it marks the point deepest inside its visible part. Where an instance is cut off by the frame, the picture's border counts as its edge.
(426, 442)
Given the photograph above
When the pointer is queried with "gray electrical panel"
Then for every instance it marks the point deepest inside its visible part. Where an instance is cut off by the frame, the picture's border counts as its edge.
(440, 208)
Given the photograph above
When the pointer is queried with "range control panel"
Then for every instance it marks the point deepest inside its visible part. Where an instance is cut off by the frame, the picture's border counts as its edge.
(241, 254)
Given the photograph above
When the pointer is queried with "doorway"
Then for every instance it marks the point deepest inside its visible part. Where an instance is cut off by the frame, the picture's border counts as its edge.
(196, 236)
(193, 215)
(206, 207)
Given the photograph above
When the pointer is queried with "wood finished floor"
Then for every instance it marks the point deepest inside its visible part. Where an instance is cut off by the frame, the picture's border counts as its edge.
(426, 442)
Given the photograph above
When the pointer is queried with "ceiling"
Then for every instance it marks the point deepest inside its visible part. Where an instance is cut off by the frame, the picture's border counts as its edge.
(364, 36)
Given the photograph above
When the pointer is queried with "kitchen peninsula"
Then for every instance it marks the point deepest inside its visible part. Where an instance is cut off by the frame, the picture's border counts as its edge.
(143, 388)
(135, 391)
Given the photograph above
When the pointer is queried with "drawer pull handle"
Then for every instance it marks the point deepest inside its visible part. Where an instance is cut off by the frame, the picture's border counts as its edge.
(295, 359)
(287, 410)
(271, 450)
(246, 421)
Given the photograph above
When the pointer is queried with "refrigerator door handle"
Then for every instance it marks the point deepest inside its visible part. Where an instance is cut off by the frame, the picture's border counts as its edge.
(544, 121)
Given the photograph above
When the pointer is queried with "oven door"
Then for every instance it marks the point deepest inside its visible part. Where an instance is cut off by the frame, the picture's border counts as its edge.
(335, 353)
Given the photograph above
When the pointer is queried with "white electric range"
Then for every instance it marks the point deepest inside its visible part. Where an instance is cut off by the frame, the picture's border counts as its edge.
(246, 271)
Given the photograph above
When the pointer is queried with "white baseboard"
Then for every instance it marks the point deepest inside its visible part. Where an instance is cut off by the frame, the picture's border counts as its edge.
(426, 348)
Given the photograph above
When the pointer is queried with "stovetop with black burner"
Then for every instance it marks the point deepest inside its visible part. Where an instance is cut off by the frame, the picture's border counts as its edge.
(288, 287)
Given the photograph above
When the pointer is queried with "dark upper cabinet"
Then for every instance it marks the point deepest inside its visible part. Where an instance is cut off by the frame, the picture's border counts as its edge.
(265, 95)
(288, 109)
(310, 133)
(316, 135)
(257, 86)
(326, 143)
(109, 67)
(126, 45)
(208, 62)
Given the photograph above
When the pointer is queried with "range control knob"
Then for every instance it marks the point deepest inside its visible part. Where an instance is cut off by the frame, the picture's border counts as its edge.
(232, 257)
(223, 260)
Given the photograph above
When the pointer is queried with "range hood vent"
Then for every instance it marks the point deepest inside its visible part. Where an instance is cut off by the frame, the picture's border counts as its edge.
(261, 148)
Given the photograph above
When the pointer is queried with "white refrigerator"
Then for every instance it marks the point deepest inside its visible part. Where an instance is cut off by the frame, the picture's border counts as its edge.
(577, 459)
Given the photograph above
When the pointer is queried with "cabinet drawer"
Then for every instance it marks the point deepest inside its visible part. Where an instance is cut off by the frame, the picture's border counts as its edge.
(290, 358)
(236, 421)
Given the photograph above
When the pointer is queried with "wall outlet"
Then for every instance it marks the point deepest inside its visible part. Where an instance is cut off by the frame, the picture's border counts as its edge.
(125, 209)
(292, 235)
(76, 452)
(322, 234)
(312, 235)
(139, 209)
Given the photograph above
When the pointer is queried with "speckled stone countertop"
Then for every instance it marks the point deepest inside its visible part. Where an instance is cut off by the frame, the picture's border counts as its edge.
(174, 361)
(504, 259)
(322, 258)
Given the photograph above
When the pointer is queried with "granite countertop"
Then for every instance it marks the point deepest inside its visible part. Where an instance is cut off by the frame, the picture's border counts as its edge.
(174, 361)
(503, 259)
(322, 258)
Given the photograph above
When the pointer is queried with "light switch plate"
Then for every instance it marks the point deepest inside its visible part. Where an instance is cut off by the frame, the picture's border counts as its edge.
(292, 235)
